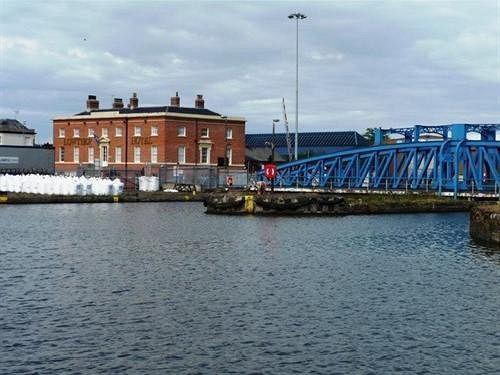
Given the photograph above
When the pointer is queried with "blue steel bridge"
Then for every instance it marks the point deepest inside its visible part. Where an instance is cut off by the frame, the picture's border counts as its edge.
(425, 158)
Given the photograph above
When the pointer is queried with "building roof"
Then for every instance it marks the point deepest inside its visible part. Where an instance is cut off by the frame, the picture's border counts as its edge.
(309, 139)
(14, 126)
(160, 109)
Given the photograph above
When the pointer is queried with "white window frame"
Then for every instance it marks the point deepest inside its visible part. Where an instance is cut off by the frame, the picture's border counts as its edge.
(61, 154)
(118, 132)
(207, 135)
(181, 131)
(181, 154)
(62, 133)
(91, 155)
(76, 133)
(91, 133)
(154, 131)
(137, 154)
(137, 131)
(118, 154)
(104, 132)
(229, 133)
(154, 154)
(104, 154)
(229, 155)
(76, 155)
(207, 161)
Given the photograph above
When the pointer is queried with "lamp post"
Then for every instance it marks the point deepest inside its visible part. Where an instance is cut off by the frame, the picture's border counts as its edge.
(298, 16)
(273, 142)
(226, 161)
(273, 145)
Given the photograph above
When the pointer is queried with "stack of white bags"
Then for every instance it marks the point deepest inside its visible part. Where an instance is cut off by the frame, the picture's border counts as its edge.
(59, 185)
(151, 183)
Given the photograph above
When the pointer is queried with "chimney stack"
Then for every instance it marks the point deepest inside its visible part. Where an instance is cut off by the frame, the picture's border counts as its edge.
(92, 103)
(134, 101)
(199, 102)
(175, 101)
(117, 103)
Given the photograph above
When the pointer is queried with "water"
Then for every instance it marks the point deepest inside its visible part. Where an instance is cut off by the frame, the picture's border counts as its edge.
(165, 289)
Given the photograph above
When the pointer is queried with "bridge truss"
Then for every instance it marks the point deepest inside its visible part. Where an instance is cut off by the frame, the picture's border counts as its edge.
(452, 164)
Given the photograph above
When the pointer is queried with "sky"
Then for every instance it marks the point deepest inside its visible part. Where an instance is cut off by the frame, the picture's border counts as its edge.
(361, 63)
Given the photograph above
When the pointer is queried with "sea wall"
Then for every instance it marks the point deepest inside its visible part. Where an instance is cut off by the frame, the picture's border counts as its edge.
(330, 204)
(485, 224)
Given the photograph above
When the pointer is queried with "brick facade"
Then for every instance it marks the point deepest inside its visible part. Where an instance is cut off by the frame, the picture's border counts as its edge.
(155, 135)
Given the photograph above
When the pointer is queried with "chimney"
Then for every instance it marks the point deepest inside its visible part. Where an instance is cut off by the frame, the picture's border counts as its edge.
(117, 103)
(134, 101)
(92, 103)
(199, 102)
(175, 101)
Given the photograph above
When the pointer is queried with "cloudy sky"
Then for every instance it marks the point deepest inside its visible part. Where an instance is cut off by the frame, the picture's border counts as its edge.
(361, 63)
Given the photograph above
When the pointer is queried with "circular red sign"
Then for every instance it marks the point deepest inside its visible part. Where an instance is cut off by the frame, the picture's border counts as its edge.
(270, 171)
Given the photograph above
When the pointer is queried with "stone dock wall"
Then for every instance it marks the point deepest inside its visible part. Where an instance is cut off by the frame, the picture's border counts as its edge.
(485, 224)
(329, 204)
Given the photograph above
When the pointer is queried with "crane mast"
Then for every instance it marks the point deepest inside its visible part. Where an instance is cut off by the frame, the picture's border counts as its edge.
(288, 139)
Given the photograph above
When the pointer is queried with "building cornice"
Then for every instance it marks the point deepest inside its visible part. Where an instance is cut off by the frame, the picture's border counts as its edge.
(117, 115)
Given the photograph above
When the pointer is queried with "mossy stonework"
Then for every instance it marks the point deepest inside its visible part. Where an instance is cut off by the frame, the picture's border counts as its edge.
(485, 224)
(330, 204)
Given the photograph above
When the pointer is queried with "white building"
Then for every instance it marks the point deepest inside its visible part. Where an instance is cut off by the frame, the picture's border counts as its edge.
(13, 133)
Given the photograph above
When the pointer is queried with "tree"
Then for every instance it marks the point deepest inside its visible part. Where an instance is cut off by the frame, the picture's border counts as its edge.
(370, 135)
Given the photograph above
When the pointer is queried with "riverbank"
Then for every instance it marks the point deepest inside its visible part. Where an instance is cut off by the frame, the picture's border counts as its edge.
(331, 204)
(485, 224)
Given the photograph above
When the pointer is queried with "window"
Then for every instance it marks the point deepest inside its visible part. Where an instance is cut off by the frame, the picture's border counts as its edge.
(137, 131)
(76, 133)
(181, 155)
(229, 133)
(118, 154)
(76, 155)
(204, 132)
(181, 131)
(205, 155)
(137, 154)
(118, 132)
(61, 154)
(91, 133)
(105, 132)
(154, 154)
(104, 154)
(62, 133)
(229, 156)
(154, 130)
(91, 155)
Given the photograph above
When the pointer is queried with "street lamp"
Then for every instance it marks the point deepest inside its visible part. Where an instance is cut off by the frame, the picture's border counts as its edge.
(273, 144)
(297, 16)
(226, 160)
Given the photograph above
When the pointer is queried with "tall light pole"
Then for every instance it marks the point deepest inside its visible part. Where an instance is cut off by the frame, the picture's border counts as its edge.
(273, 144)
(298, 16)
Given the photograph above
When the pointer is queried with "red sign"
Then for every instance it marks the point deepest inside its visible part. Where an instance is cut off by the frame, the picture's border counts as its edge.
(229, 180)
(270, 171)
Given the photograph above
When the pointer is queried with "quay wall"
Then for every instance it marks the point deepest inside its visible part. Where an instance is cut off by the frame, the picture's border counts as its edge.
(329, 204)
(485, 224)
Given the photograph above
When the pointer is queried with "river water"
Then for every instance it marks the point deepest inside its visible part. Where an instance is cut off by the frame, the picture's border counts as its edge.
(163, 288)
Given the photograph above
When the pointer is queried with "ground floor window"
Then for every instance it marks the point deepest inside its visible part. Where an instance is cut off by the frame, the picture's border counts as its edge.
(91, 155)
(104, 154)
(229, 155)
(76, 155)
(137, 154)
(118, 154)
(205, 155)
(61, 154)
(154, 154)
(181, 155)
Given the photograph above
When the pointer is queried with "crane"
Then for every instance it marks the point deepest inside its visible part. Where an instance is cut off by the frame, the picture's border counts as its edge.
(287, 135)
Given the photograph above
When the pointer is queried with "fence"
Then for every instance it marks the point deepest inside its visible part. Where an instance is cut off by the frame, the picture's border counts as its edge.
(205, 178)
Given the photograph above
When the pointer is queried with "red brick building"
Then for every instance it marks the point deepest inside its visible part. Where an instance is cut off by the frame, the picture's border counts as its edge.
(130, 138)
